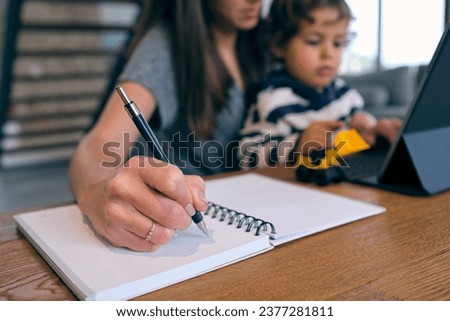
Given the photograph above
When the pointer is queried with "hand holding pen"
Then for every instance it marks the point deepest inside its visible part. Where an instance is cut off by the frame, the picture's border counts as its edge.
(134, 202)
(155, 146)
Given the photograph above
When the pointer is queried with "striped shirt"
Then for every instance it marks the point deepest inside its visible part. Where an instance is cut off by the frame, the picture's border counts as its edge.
(283, 110)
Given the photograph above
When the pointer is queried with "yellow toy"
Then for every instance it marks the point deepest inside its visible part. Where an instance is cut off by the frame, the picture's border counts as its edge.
(326, 168)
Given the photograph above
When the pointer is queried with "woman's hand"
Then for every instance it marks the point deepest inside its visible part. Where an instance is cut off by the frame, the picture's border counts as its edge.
(143, 203)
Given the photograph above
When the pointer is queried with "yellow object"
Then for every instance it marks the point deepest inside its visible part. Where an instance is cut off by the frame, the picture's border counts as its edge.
(352, 142)
(345, 143)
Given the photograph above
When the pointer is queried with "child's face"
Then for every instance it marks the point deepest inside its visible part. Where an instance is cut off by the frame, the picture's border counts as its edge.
(314, 54)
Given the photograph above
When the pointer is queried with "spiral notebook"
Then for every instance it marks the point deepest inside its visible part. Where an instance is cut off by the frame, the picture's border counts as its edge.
(248, 215)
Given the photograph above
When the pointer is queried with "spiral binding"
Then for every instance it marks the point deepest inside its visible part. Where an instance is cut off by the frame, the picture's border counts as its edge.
(240, 219)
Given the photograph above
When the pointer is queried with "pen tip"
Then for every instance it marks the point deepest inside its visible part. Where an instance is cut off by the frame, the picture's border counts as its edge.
(202, 226)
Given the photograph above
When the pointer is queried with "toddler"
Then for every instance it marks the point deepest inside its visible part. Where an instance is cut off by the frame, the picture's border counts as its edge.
(304, 99)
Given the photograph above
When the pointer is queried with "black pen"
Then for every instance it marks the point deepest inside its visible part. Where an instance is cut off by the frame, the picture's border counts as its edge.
(152, 140)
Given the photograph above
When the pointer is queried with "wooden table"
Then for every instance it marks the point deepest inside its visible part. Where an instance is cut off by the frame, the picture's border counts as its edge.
(403, 254)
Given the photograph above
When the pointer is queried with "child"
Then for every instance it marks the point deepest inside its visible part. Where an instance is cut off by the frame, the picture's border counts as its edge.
(304, 100)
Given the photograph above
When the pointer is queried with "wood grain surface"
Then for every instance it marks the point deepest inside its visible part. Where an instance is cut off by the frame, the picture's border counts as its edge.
(403, 254)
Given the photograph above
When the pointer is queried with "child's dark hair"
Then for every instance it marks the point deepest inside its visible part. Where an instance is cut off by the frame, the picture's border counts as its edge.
(285, 16)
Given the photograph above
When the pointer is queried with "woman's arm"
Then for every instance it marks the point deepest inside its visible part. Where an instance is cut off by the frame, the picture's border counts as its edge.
(103, 149)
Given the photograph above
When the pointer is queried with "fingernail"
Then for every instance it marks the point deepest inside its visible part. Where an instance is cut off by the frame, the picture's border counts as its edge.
(190, 209)
(202, 196)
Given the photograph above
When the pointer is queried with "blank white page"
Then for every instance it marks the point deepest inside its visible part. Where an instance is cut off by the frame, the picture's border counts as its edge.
(296, 211)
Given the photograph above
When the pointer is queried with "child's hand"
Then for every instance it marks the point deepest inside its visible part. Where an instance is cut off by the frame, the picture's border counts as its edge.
(365, 124)
(388, 128)
(370, 128)
(318, 136)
